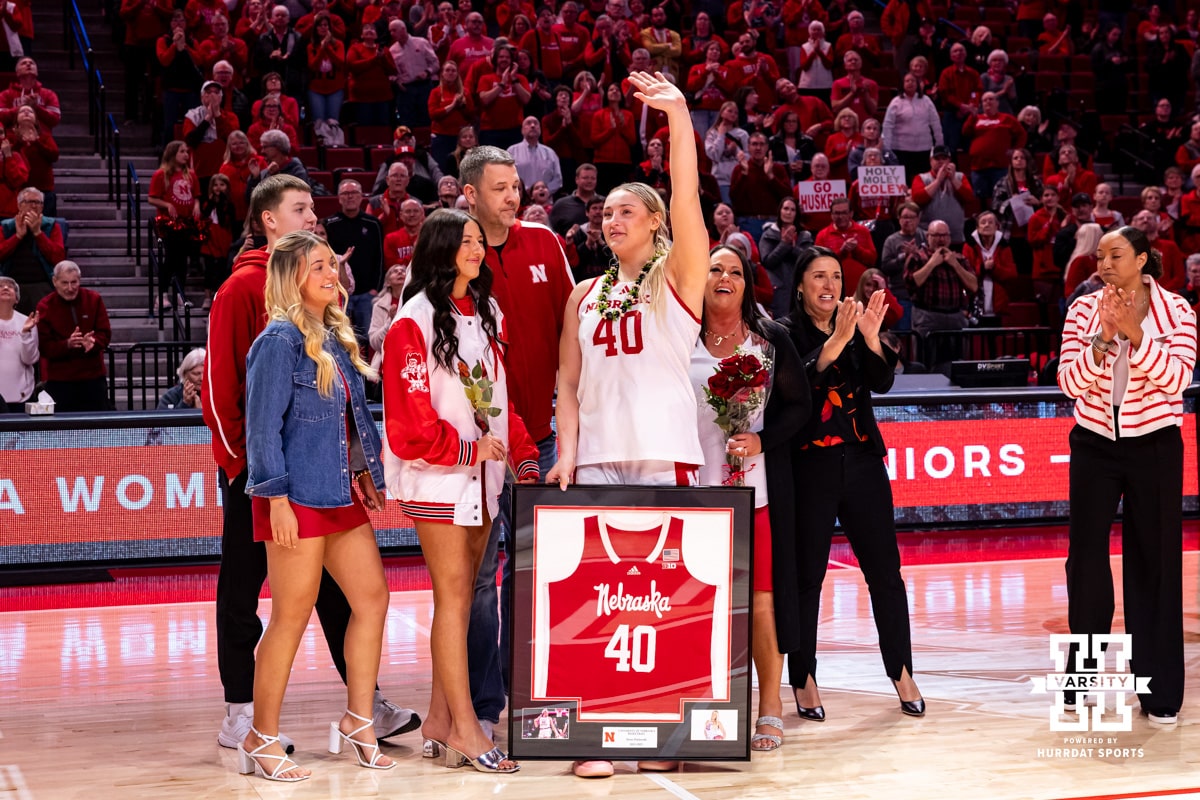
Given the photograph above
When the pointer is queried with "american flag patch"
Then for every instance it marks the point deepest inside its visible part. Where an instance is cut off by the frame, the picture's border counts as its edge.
(670, 554)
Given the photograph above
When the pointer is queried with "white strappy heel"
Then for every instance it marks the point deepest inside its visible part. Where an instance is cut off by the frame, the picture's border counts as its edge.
(248, 763)
(337, 739)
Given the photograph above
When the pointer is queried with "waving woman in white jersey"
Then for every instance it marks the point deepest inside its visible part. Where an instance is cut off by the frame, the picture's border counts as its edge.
(626, 408)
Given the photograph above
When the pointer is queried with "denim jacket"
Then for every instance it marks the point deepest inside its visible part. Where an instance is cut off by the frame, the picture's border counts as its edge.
(296, 438)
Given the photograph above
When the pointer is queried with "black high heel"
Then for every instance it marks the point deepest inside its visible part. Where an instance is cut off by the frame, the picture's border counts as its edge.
(913, 708)
(814, 714)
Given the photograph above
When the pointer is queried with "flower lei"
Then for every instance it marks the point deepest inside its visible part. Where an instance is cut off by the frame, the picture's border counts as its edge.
(610, 280)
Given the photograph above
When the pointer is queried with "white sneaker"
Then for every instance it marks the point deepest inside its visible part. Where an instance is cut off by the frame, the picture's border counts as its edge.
(392, 720)
(1163, 716)
(235, 727)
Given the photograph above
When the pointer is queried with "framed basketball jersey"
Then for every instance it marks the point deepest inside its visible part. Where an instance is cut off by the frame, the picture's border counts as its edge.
(631, 622)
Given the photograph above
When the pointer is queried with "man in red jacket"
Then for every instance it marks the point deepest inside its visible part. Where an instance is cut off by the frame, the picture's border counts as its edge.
(73, 333)
(282, 203)
(851, 241)
(993, 136)
(532, 282)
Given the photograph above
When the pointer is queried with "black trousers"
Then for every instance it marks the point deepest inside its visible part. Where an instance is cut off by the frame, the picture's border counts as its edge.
(1147, 471)
(243, 571)
(848, 483)
(90, 394)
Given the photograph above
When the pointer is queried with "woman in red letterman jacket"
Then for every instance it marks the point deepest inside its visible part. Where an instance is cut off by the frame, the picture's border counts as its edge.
(445, 452)
(1127, 354)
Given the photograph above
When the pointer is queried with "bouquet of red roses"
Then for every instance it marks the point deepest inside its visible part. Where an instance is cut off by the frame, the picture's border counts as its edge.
(737, 392)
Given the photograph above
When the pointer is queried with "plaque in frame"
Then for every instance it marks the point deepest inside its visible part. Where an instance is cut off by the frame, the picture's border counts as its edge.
(631, 623)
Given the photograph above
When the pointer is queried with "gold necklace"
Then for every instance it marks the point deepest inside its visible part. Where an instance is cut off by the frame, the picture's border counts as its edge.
(718, 339)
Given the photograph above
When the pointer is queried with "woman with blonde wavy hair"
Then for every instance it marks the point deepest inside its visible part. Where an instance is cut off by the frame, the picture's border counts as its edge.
(626, 409)
(310, 442)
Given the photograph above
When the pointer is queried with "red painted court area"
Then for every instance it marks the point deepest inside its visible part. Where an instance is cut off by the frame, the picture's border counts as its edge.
(144, 586)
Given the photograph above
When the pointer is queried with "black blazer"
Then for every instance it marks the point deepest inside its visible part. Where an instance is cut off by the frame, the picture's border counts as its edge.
(788, 408)
(862, 368)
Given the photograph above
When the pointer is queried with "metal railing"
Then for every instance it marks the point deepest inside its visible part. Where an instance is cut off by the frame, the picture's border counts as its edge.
(180, 311)
(1128, 151)
(149, 370)
(133, 214)
(76, 41)
(152, 255)
(112, 156)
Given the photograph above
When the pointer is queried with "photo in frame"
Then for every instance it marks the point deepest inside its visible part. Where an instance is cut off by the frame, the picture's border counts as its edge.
(631, 622)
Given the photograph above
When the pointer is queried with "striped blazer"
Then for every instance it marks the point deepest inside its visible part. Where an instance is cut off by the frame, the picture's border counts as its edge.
(1158, 372)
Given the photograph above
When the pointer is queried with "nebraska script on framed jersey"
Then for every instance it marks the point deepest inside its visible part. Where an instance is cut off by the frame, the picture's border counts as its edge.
(631, 619)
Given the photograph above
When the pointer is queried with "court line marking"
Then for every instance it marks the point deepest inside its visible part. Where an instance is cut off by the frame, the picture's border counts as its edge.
(670, 785)
(12, 779)
(1162, 794)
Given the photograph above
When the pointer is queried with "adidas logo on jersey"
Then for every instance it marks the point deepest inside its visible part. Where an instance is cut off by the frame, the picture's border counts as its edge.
(633, 571)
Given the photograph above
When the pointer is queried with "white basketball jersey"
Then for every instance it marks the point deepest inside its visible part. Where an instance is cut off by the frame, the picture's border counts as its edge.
(636, 401)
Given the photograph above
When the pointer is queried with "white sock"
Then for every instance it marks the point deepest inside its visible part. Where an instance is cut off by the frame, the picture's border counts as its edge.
(237, 709)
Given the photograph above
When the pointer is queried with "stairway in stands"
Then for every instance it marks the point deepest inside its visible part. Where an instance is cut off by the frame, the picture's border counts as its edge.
(97, 228)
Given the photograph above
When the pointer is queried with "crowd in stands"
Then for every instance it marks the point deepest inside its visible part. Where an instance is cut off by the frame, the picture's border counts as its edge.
(999, 115)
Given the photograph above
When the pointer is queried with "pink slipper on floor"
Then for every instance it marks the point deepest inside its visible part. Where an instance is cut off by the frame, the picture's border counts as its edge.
(658, 766)
(593, 769)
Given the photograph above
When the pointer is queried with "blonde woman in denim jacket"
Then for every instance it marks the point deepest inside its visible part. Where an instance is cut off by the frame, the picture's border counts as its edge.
(310, 440)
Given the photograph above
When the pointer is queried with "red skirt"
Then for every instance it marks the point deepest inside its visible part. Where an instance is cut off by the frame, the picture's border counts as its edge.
(313, 522)
(762, 550)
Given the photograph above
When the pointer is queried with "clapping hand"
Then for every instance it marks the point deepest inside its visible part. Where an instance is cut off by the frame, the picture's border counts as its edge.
(1122, 312)
(870, 319)
(75, 339)
(30, 322)
(190, 391)
(848, 312)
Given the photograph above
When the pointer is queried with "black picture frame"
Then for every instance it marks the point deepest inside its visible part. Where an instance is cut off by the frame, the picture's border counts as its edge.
(656, 720)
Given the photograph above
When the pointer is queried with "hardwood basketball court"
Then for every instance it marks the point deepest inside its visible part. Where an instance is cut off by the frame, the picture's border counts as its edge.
(123, 701)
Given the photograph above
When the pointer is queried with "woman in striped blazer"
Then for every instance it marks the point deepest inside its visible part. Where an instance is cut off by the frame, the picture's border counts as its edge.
(1127, 354)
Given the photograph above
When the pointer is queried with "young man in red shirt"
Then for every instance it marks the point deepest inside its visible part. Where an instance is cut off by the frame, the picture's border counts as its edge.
(282, 203)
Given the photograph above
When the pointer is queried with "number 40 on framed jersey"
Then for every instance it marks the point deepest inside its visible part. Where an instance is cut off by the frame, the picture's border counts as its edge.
(631, 622)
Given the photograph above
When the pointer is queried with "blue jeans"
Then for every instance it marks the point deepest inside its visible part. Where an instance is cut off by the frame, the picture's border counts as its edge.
(174, 106)
(326, 106)
(488, 637)
(358, 308)
(412, 103)
(983, 181)
(381, 113)
(752, 226)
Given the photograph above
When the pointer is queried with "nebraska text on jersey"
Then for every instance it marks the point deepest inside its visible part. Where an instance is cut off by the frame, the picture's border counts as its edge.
(653, 601)
(620, 630)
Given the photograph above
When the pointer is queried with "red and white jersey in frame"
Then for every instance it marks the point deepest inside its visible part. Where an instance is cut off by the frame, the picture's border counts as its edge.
(625, 630)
